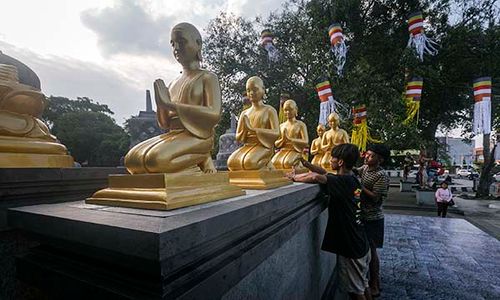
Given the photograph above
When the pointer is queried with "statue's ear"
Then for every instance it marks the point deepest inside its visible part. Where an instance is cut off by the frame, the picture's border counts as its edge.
(199, 56)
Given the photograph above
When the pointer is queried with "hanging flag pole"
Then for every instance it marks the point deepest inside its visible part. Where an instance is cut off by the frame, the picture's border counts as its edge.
(360, 135)
(412, 97)
(327, 104)
(482, 105)
(267, 41)
(418, 40)
(339, 48)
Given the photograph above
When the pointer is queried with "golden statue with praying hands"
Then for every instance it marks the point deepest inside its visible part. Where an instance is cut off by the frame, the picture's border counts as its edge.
(331, 138)
(293, 139)
(316, 146)
(169, 170)
(258, 129)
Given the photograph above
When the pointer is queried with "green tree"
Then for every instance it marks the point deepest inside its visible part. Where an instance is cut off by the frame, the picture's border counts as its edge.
(93, 137)
(376, 30)
(58, 106)
(87, 130)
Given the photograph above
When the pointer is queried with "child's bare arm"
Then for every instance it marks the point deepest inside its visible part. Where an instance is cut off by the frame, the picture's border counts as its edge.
(313, 168)
(310, 178)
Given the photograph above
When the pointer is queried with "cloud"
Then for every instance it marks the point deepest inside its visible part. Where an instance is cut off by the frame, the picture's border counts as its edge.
(71, 78)
(140, 27)
(129, 28)
(252, 8)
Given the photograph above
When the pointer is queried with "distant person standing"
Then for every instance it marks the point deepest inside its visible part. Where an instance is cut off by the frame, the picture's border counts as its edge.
(443, 198)
(407, 164)
(375, 184)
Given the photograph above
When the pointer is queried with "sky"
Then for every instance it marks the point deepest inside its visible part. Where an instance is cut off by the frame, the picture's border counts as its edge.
(107, 50)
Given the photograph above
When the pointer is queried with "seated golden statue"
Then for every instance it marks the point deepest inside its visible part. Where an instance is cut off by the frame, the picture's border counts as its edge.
(258, 130)
(293, 139)
(166, 169)
(316, 146)
(189, 108)
(333, 137)
(25, 141)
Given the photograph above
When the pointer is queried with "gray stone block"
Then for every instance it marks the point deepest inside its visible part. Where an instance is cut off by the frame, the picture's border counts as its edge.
(426, 197)
(209, 251)
(21, 187)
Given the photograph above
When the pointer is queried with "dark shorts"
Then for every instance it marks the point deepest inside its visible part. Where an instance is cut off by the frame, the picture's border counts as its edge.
(375, 233)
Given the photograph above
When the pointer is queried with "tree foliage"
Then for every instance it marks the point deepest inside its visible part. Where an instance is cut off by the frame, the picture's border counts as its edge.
(58, 106)
(87, 130)
(468, 33)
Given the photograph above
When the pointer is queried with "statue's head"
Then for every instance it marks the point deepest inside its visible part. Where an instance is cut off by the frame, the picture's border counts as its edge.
(186, 43)
(320, 130)
(290, 109)
(333, 120)
(255, 89)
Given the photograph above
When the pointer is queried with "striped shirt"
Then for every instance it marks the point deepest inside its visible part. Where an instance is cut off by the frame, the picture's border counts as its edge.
(376, 181)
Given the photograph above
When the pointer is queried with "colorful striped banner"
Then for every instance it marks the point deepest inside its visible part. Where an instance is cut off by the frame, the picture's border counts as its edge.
(414, 88)
(335, 33)
(482, 88)
(324, 90)
(416, 23)
(359, 114)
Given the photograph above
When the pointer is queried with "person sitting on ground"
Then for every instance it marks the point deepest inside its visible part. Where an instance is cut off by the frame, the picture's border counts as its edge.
(345, 234)
(375, 184)
(443, 198)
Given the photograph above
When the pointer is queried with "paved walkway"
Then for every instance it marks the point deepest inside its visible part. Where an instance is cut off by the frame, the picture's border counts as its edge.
(436, 258)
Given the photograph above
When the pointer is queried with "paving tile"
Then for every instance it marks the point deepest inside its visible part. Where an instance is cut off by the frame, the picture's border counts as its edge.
(438, 258)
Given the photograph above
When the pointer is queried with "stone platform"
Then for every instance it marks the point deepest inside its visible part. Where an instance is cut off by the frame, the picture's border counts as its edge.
(29, 186)
(265, 244)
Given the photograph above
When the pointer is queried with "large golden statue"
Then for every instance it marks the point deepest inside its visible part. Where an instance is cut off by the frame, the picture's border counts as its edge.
(316, 146)
(333, 137)
(25, 141)
(293, 139)
(258, 130)
(169, 165)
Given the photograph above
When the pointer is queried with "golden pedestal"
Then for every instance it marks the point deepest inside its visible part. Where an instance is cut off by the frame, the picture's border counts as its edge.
(165, 191)
(31, 160)
(258, 179)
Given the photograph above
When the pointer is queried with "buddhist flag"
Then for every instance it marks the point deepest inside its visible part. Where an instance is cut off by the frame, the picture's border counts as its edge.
(418, 40)
(338, 46)
(412, 97)
(482, 105)
(267, 41)
(327, 105)
(360, 135)
(414, 88)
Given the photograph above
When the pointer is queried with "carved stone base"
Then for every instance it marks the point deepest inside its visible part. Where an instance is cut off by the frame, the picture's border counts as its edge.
(165, 191)
(30, 160)
(258, 179)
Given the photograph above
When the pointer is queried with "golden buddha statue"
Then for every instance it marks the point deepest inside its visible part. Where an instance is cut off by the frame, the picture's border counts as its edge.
(293, 139)
(189, 108)
(258, 130)
(25, 141)
(331, 138)
(316, 146)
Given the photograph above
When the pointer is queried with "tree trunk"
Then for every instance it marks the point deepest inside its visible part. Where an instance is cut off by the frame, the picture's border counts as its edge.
(485, 179)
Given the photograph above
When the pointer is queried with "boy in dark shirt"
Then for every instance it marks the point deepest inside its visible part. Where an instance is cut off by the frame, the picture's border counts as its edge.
(345, 234)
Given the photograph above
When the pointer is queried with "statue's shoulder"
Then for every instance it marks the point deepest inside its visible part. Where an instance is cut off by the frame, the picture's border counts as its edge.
(342, 131)
(206, 74)
(270, 108)
(301, 124)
